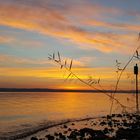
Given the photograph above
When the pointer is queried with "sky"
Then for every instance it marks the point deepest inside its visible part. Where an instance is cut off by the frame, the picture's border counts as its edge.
(93, 33)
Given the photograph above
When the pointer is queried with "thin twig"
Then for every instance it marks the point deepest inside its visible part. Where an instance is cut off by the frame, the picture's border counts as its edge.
(118, 80)
(90, 85)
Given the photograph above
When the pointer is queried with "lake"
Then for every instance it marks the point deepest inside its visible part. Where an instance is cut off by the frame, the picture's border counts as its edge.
(19, 111)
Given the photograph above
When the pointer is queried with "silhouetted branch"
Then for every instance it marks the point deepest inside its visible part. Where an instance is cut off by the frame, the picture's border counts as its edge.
(121, 72)
(92, 81)
(89, 82)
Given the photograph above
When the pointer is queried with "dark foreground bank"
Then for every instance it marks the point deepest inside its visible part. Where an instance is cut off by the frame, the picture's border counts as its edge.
(114, 127)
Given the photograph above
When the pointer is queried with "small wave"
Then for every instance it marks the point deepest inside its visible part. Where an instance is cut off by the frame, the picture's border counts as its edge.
(22, 133)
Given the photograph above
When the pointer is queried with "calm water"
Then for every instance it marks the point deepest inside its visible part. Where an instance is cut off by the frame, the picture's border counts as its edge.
(21, 110)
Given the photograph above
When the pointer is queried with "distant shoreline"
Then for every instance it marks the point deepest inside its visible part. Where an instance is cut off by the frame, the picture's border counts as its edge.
(59, 90)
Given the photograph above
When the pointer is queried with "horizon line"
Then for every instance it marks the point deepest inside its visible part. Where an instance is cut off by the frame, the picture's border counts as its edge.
(59, 90)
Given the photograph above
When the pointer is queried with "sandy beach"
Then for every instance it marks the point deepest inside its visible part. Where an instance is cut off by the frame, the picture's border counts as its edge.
(116, 126)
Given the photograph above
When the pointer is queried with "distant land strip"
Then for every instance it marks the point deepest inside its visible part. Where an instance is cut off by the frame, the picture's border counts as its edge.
(58, 90)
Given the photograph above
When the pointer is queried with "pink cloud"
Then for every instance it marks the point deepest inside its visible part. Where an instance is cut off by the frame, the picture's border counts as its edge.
(57, 23)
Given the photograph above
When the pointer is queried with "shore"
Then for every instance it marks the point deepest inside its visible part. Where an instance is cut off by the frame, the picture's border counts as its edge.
(114, 127)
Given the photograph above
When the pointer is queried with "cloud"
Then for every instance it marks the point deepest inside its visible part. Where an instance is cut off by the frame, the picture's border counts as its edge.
(7, 60)
(122, 26)
(9, 39)
(57, 22)
(28, 43)
(5, 39)
(86, 60)
(55, 72)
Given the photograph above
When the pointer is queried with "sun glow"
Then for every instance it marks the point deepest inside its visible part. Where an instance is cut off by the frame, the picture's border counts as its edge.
(72, 87)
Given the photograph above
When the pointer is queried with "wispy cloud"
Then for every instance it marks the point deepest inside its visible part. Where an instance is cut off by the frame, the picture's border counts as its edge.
(120, 26)
(5, 39)
(16, 42)
(7, 60)
(86, 61)
(55, 73)
(53, 20)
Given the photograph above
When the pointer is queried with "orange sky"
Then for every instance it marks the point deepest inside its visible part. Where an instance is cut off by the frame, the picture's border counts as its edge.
(93, 34)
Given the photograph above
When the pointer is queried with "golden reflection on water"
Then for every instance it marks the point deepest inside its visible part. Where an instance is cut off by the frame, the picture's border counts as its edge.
(20, 108)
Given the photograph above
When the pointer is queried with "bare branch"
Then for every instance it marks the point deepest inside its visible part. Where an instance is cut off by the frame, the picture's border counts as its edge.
(59, 57)
(70, 65)
(68, 76)
(53, 56)
(89, 83)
